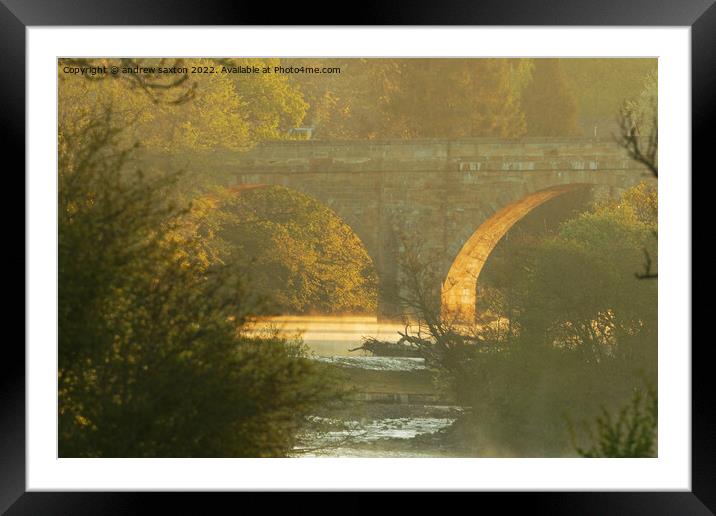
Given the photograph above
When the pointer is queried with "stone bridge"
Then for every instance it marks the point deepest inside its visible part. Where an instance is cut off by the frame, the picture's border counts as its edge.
(456, 198)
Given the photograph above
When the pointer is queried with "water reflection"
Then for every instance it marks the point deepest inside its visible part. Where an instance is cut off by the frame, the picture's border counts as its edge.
(331, 335)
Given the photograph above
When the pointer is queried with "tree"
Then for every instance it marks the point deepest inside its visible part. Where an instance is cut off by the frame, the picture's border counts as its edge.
(232, 111)
(549, 106)
(453, 98)
(602, 86)
(351, 104)
(582, 293)
(172, 88)
(415, 98)
(297, 253)
(639, 136)
(639, 127)
(152, 358)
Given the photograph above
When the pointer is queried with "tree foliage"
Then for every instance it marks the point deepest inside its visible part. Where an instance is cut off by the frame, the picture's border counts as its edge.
(298, 253)
(602, 85)
(449, 98)
(174, 88)
(548, 103)
(416, 98)
(225, 110)
(631, 434)
(152, 360)
(591, 311)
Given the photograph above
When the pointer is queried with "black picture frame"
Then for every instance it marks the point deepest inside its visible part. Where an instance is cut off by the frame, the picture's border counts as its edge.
(17, 15)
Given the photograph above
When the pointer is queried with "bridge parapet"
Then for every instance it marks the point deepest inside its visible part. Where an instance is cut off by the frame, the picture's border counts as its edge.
(481, 154)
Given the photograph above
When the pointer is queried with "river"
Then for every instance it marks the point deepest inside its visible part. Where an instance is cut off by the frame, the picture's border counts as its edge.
(398, 413)
(331, 335)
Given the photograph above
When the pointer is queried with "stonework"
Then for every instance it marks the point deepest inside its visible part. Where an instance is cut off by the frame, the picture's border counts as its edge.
(456, 197)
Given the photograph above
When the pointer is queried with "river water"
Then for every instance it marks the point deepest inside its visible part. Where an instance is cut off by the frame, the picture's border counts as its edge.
(382, 425)
(331, 335)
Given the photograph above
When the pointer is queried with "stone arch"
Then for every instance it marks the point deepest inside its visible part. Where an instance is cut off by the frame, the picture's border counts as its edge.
(458, 291)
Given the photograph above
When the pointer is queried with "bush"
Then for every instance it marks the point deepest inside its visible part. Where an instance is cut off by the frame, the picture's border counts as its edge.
(152, 360)
(632, 434)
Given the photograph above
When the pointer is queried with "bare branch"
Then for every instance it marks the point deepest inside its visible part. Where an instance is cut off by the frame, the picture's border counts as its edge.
(632, 141)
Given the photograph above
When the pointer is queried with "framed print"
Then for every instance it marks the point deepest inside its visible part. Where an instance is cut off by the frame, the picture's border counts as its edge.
(359, 258)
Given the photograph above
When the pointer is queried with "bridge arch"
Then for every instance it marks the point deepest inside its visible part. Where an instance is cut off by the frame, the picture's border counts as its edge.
(458, 290)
